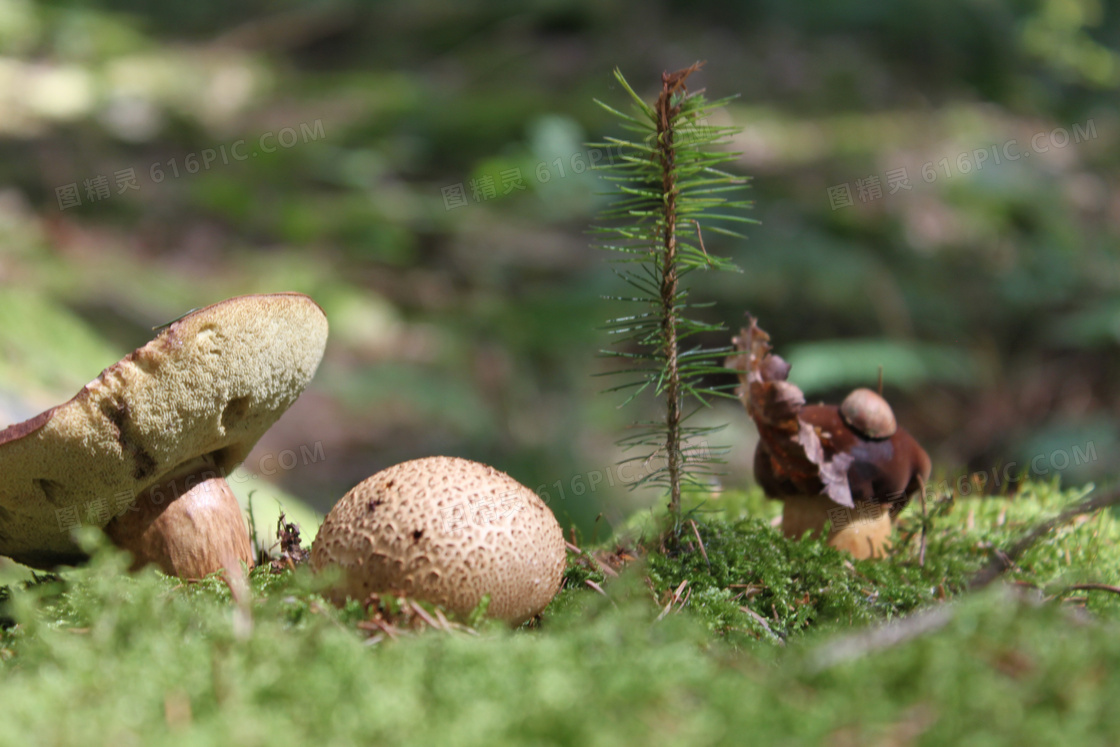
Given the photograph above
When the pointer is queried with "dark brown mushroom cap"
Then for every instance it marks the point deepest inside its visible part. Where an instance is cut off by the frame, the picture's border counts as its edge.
(885, 471)
(203, 391)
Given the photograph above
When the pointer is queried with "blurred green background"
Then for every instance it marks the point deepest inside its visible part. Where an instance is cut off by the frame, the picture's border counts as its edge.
(936, 182)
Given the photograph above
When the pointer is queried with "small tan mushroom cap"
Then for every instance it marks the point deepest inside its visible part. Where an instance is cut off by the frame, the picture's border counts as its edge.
(201, 393)
(868, 413)
(446, 530)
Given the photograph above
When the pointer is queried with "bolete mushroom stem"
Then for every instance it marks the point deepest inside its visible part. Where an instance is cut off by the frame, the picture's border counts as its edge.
(864, 530)
(189, 525)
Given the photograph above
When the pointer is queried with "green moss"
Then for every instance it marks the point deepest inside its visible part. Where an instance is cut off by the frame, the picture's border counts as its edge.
(805, 585)
(99, 656)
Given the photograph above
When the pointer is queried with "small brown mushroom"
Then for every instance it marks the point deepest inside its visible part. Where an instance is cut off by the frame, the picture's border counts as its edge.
(881, 475)
(850, 467)
(448, 531)
(142, 451)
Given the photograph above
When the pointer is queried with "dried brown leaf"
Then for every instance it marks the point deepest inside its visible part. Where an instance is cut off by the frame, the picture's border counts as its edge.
(797, 455)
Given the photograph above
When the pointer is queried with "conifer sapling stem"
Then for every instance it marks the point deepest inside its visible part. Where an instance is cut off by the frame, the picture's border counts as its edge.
(666, 180)
(666, 116)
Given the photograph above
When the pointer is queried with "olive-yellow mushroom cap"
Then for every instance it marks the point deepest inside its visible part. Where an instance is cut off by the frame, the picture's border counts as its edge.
(193, 400)
(448, 531)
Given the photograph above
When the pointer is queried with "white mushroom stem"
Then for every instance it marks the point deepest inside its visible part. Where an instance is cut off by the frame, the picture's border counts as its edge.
(190, 526)
(864, 531)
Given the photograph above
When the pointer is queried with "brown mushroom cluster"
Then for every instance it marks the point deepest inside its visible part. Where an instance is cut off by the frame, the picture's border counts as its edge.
(449, 531)
(850, 467)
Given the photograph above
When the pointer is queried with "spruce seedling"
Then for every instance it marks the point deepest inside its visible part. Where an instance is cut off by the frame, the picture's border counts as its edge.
(669, 192)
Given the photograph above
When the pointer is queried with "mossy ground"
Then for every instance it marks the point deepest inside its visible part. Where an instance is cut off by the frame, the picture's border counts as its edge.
(97, 656)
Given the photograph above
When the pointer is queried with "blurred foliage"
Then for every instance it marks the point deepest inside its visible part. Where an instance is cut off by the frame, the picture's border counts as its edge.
(420, 171)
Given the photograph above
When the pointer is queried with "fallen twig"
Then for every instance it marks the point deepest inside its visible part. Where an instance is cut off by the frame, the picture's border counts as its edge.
(602, 566)
(703, 550)
(880, 638)
(234, 577)
(596, 587)
(423, 615)
(925, 517)
(673, 599)
(1091, 587)
(765, 625)
(1004, 560)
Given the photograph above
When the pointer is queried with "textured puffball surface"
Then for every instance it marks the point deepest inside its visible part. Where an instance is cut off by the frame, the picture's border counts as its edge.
(204, 390)
(449, 531)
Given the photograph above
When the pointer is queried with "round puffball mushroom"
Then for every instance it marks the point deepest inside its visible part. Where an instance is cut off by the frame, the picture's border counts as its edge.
(143, 450)
(448, 531)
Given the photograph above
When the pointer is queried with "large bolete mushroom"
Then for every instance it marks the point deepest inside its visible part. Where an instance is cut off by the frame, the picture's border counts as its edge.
(849, 467)
(142, 451)
(448, 531)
